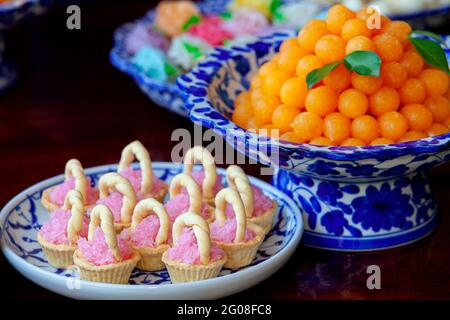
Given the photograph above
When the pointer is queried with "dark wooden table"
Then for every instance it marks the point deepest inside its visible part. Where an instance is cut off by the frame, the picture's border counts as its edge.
(70, 102)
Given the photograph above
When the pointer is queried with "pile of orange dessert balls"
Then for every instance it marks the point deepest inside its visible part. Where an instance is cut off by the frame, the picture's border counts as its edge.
(408, 101)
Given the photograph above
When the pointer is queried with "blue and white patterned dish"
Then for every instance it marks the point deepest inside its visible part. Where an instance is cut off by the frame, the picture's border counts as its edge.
(10, 14)
(163, 93)
(352, 198)
(23, 216)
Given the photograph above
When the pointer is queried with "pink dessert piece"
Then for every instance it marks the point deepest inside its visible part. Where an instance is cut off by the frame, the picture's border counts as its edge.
(226, 231)
(135, 178)
(114, 202)
(58, 194)
(55, 229)
(199, 176)
(144, 235)
(245, 22)
(211, 30)
(141, 35)
(261, 204)
(180, 204)
(186, 249)
(96, 251)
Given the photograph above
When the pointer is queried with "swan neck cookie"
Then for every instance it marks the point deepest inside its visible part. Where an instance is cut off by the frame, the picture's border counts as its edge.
(200, 154)
(238, 180)
(75, 169)
(201, 231)
(115, 181)
(232, 197)
(150, 206)
(136, 150)
(184, 180)
(75, 203)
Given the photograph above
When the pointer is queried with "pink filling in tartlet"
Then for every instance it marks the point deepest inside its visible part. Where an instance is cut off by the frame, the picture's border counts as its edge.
(58, 194)
(55, 229)
(199, 176)
(226, 231)
(144, 235)
(135, 178)
(114, 202)
(96, 251)
(261, 204)
(186, 249)
(180, 204)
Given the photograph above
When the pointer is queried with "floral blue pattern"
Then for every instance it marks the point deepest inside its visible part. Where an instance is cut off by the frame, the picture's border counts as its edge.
(18, 227)
(352, 198)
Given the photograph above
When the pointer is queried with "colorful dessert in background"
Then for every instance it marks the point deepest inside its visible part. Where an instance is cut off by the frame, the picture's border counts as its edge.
(239, 238)
(54, 197)
(343, 83)
(149, 233)
(59, 235)
(392, 7)
(193, 255)
(181, 34)
(104, 256)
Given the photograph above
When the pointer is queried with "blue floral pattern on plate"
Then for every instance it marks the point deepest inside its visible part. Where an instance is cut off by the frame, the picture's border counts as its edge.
(352, 198)
(19, 227)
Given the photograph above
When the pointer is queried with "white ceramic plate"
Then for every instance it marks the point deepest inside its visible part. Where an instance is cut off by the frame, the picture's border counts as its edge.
(23, 216)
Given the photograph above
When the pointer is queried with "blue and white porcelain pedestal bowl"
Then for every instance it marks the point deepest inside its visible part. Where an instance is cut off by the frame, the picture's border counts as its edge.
(352, 198)
(10, 14)
(355, 214)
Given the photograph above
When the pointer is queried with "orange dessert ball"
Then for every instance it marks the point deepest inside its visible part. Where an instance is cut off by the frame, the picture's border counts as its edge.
(418, 116)
(359, 43)
(336, 127)
(310, 33)
(437, 129)
(413, 63)
(366, 84)
(413, 135)
(393, 74)
(256, 82)
(337, 16)
(267, 68)
(291, 137)
(338, 79)
(367, 12)
(398, 29)
(388, 47)
(393, 125)
(289, 57)
(273, 83)
(365, 128)
(353, 28)
(330, 48)
(352, 142)
(252, 124)
(380, 141)
(439, 107)
(293, 92)
(283, 116)
(321, 101)
(412, 91)
(322, 141)
(256, 95)
(264, 108)
(288, 44)
(307, 64)
(384, 100)
(307, 126)
(435, 81)
(353, 103)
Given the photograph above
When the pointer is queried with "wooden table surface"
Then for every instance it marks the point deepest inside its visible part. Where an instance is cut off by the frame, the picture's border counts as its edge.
(70, 102)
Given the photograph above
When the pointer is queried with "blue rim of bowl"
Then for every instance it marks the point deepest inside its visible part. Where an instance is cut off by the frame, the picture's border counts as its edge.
(201, 111)
(120, 59)
(15, 5)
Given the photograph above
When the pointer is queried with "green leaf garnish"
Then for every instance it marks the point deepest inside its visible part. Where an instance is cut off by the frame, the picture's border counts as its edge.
(227, 15)
(194, 19)
(274, 5)
(365, 63)
(318, 74)
(430, 34)
(194, 51)
(431, 52)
